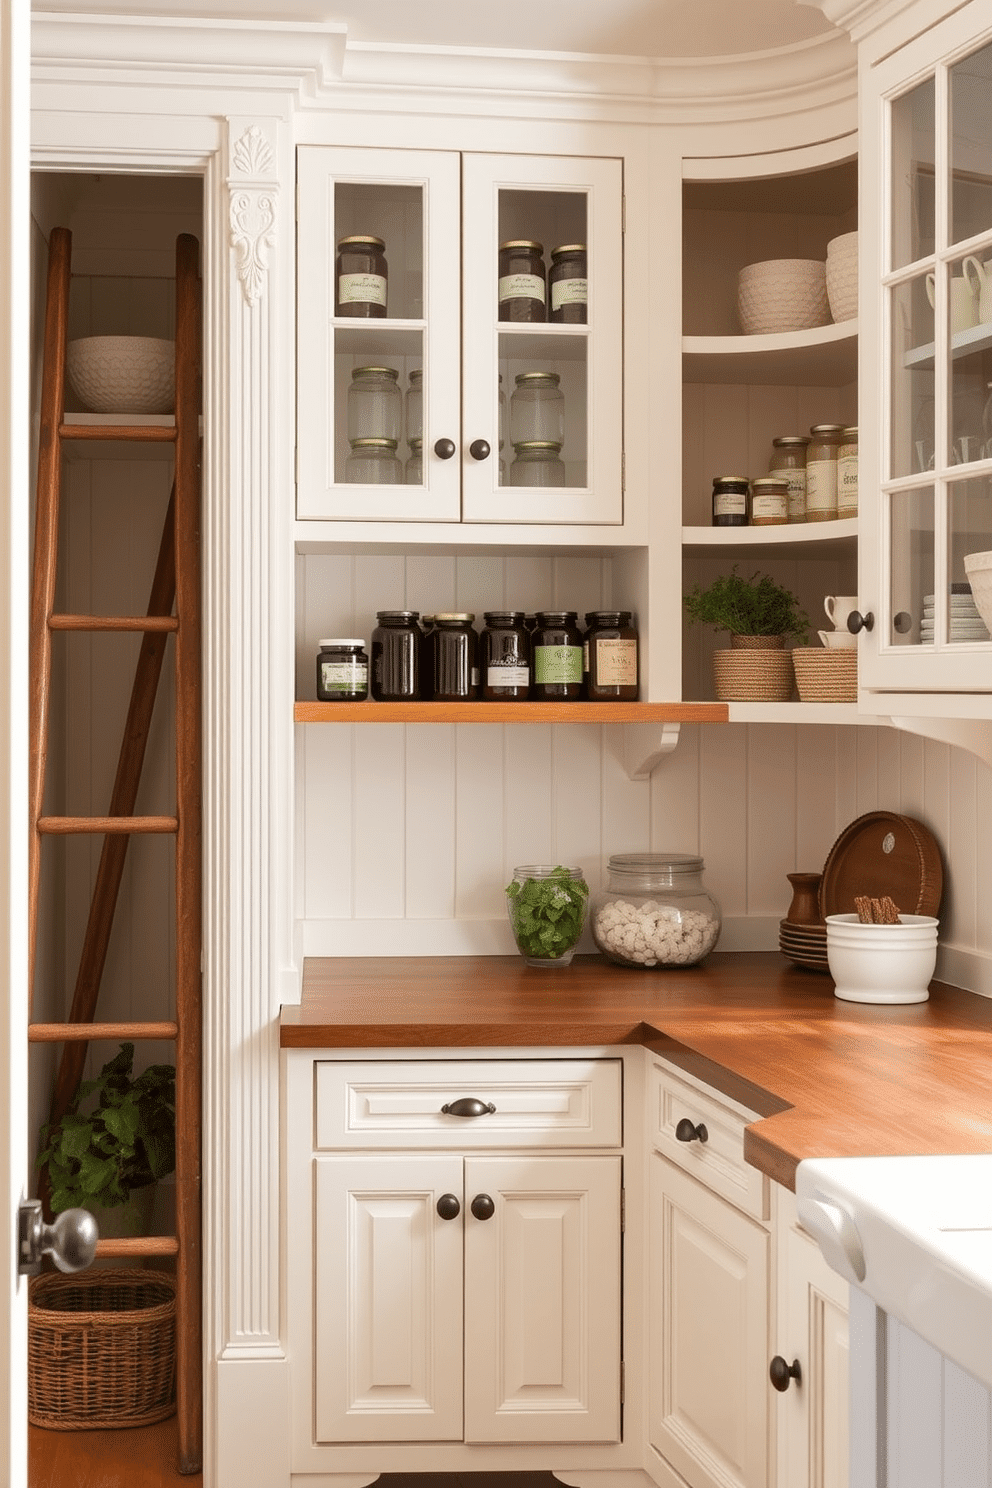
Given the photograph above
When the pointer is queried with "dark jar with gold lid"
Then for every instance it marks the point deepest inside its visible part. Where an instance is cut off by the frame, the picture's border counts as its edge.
(361, 278)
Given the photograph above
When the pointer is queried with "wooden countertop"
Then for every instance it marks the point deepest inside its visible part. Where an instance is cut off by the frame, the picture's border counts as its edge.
(829, 1078)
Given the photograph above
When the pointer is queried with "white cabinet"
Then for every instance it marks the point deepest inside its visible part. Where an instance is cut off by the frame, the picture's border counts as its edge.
(927, 186)
(442, 216)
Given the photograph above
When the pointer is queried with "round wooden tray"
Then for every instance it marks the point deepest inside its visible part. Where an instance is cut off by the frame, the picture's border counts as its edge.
(883, 853)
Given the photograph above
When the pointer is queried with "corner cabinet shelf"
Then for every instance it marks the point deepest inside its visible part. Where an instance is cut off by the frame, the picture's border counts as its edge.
(824, 357)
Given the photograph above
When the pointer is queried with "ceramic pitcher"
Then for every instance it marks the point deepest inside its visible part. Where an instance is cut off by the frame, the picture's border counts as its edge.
(979, 276)
(964, 302)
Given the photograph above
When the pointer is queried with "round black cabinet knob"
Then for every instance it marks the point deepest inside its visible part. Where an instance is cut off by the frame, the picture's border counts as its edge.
(448, 1206)
(444, 449)
(902, 622)
(782, 1374)
(483, 1206)
(687, 1132)
(479, 449)
(856, 621)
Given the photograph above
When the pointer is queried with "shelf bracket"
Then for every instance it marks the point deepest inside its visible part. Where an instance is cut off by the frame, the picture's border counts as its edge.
(973, 734)
(641, 746)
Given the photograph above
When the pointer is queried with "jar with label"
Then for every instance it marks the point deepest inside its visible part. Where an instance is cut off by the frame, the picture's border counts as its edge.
(789, 460)
(413, 475)
(504, 657)
(655, 911)
(375, 404)
(522, 283)
(847, 473)
(557, 650)
(537, 462)
(373, 462)
(453, 660)
(610, 657)
(730, 500)
(769, 501)
(396, 657)
(568, 285)
(537, 409)
(415, 406)
(342, 672)
(821, 472)
(361, 278)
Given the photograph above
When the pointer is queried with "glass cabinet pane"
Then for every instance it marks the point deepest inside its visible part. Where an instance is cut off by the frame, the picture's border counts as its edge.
(913, 155)
(911, 563)
(971, 146)
(911, 321)
(970, 520)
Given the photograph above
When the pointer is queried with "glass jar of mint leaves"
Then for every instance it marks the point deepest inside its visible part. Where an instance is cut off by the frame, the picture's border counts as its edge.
(547, 909)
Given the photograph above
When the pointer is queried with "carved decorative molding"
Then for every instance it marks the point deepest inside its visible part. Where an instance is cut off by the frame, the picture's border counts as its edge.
(252, 208)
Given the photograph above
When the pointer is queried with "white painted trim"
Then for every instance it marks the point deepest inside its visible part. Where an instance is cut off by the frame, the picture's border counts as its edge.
(964, 966)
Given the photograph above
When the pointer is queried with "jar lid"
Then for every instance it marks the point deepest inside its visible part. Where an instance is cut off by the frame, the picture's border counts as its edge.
(416, 444)
(827, 429)
(545, 870)
(374, 371)
(538, 444)
(523, 377)
(362, 238)
(338, 644)
(608, 617)
(416, 374)
(397, 614)
(453, 617)
(790, 441)
(522, 243)
(777, 481)
(377, 444)
(850, 433)
(646, 863)
(568, 248)
(506, 617)
(730, 480)
(549, 616)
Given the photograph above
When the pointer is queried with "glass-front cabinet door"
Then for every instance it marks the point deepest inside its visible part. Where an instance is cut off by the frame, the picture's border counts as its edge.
(459, 335)
(929, 139)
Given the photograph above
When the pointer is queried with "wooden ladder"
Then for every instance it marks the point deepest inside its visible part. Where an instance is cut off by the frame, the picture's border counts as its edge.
(176, 583)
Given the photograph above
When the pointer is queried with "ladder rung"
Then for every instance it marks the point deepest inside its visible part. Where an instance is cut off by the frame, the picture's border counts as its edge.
(65, 826)
(113, 622)
(139, 1245)
(138, 433)
(62, 1033)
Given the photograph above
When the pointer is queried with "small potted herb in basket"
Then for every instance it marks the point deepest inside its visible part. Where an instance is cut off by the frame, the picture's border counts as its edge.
(760, 615)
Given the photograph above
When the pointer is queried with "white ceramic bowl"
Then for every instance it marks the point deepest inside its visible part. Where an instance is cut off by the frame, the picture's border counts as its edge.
(838, 640)
(842, 276)
(782, 294)
(882, 963)
(978, 567)
(123, 374)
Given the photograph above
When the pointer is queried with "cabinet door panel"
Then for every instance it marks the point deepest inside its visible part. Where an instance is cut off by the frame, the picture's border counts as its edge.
(542, 1300)
(388, 1350)
(812, 1327)
(708, 1411)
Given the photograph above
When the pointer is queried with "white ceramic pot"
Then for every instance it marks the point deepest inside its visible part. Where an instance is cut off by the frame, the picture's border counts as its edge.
(882, 963)
(782, 294)
(838, 640)
(842, 276)
(978, 567)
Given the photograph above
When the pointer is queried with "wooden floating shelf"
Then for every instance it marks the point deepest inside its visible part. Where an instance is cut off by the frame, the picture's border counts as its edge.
(312, 712)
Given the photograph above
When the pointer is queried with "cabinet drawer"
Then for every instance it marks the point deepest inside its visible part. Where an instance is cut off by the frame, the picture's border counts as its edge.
(538, 1103)
(719, 1160)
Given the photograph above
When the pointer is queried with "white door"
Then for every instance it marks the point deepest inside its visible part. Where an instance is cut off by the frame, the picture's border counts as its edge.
(14, 567)
(812, 1329)
(542, 1299)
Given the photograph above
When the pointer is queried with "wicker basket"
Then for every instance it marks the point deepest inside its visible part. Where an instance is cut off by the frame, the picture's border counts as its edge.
(752, 676)
(101, 1349)
(826, 676)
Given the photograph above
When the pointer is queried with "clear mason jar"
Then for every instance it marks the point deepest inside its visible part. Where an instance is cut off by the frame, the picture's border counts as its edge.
(789, 460)
(547, 909)
(415, 406)
(537, 462)
(375, 404)
(537, 409)
(373, 462)
(655, 911)
(413, 474)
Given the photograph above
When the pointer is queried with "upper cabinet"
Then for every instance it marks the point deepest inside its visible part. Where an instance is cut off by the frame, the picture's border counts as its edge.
(444, 376)
(927, 177)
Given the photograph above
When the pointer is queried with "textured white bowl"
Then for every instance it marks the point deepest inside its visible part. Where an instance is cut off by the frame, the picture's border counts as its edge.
(882, 963)
(123, 374)
(978, 567)
(782, 294)
(842, 276)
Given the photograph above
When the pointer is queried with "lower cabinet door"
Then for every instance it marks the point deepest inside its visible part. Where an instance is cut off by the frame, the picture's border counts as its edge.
(709, 1297)
(388, 1299)
(542, 1299)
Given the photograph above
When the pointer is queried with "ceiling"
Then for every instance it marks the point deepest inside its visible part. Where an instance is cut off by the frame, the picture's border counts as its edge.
(635, 28)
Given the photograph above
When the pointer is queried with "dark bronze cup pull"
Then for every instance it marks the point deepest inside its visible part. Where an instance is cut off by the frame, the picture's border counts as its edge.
(483, 1207)
(467, 1105)
(448, 1206)
(686, 1132)
(782, 1374)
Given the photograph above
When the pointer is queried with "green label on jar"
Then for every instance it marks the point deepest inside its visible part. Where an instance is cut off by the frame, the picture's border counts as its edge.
(557, 663)
(343, 676)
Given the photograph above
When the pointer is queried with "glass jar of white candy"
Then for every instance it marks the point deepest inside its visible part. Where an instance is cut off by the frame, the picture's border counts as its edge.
(655, 911)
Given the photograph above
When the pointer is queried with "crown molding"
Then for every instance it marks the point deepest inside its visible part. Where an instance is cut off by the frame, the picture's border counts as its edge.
(862, 18)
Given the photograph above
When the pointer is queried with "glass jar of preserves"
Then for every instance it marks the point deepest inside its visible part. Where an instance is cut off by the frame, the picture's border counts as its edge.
(547, 909)
(730, 500)
(847, 472)
(452, 659)
(821, 472)
(375, 404)
(396, 647)
(342, 672)
(522, 283)
(655, 911)
(537, 462)
(537, 409)
(504, 657)
(568, 285)
(769, 501)
(415, 406)
(413, 474)
(789, 461)
(361, 278)
(557, 653)
(373, 462)
(610, 657)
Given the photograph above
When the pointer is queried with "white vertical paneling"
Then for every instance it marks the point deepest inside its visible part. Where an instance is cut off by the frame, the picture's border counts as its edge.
(967, 1430)
(481, 585)
(913, 1401)
(911, 748)
(528, 807)
(959, 913)
(981, 878)
(626, 804)
(578, 584)
(816, 814)
(675, 795)
(771, 797)
(697, 477)
(723, 816)
(575, 792)
(379, 584)
(866, 754)
(479, 821)
(890, 764)
(847, 776)
(431, 794)
(431, 583)
(529, 582)
(936, 788)
(380, 822)
(326, 608)
(328, 825)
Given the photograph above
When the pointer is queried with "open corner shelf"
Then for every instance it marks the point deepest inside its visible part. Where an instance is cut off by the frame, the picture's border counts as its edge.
(369, 712)
(826, 356)
(826, 535)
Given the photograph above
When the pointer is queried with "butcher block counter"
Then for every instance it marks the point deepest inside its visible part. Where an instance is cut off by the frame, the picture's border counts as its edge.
(828, 1078)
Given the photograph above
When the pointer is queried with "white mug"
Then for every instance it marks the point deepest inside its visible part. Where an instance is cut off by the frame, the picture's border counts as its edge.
(979, 276)
(838, 607)
(964, 303)
(838, 640)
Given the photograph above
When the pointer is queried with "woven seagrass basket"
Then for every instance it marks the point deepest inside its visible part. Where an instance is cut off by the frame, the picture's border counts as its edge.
(101, 1349)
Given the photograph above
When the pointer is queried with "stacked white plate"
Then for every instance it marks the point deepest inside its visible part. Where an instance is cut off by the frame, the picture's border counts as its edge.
(964, 622)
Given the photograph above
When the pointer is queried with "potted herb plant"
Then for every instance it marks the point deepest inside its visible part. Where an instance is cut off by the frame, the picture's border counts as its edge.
(108, 1156)
(760, 615)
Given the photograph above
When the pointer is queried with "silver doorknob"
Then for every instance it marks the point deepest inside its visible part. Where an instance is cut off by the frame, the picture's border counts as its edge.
(70, 1241)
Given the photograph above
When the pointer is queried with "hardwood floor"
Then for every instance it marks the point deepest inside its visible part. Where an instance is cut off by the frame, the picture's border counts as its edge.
(144, 1457)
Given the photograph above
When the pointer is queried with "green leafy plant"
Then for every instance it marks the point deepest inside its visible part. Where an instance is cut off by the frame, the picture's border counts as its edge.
(756, 606)
(547, 914)
(126, 1139)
